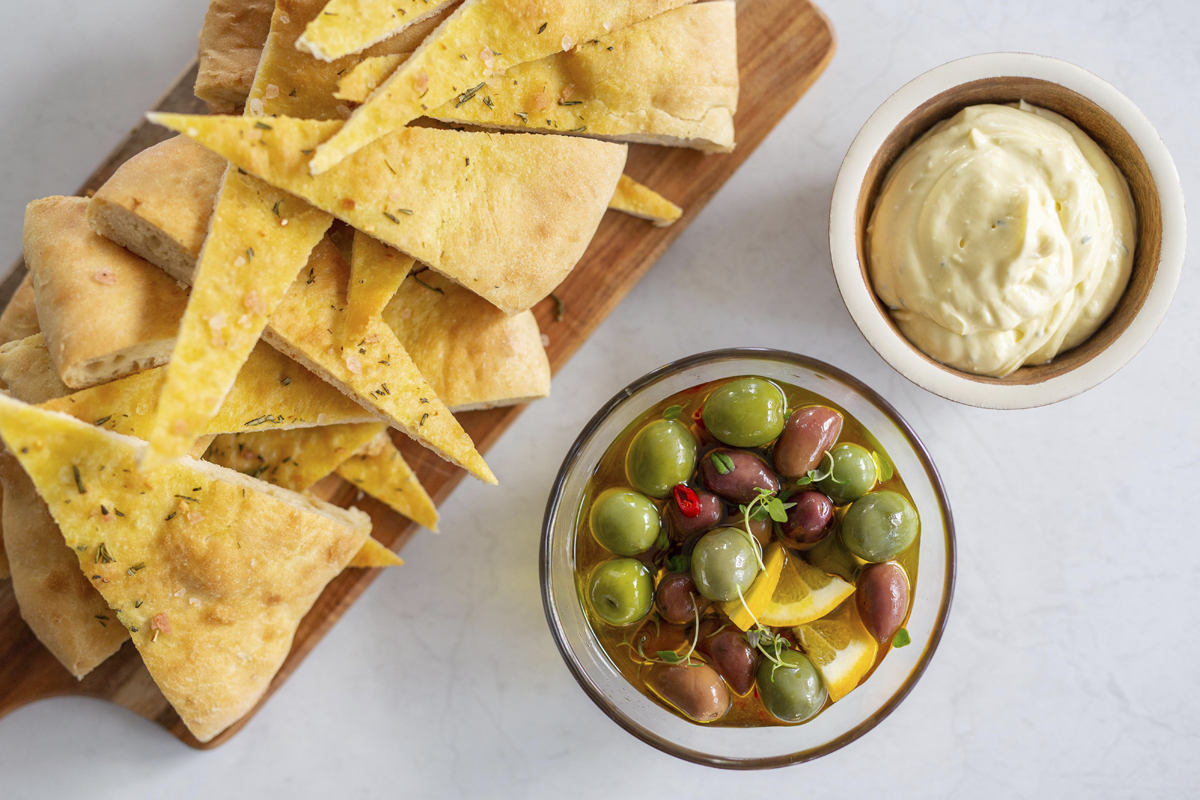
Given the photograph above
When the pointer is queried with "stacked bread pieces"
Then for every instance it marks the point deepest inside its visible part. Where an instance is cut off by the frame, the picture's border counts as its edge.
(246, 309)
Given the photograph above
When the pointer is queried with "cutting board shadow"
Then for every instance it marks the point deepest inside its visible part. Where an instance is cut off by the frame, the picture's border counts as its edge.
(783, 46)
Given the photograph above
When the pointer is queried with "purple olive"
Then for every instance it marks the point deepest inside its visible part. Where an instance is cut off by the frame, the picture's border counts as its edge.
(808, 434)
(697, 690)
(733, 657)
(808, 522)
(735, 474)
(676, 598)
(654, 636)
(882, 598)
(761, 529)
(683, 526)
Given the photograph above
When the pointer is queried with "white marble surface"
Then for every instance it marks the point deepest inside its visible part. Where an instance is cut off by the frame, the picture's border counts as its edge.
(1069, 666)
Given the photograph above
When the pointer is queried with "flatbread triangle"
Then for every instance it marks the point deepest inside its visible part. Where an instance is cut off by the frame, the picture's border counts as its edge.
(210, 571)
(482, 38)
(294, 459)
(345, 27)
(380, 470)
(376, 272)
(505, 215)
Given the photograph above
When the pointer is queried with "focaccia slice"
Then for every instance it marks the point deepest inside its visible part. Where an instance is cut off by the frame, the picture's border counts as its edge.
(28, 372)
(505, 215)
(345, 27)
(304, 86)
(20, 315)
(376, 272)
(210, 571)
(231, 42)
(271, 392)
(481, 39)
(104, 311)
(293, 459)
(472, 354)
(380, 471)
(56, 599)
(637, 200)
(376, 372)
(258, 239)
(374, 554)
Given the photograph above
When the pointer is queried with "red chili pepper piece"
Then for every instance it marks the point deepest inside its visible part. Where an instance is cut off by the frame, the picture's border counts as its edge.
(687, 501)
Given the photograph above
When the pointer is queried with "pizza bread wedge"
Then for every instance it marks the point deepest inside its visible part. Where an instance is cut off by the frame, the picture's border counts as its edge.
(345, 27)
(19, 318)
(55, 598)
(505, 215)
(104, 311)
(231, 43)
(481, 39)
(637, 200)
(473, 355)
(379, 469)
(373, 554)
(376, 272)
(210, 571)
(294, 459)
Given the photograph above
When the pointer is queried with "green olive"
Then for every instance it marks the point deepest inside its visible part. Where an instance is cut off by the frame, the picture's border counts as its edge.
(748, 412)
(624, 522)
(854, 473)
(661, 456)
(792, 692)
(621, 591)
(723, 562)
(880, 526)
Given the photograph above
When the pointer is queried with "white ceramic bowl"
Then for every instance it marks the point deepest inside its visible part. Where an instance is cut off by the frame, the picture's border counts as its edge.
(1113, 121)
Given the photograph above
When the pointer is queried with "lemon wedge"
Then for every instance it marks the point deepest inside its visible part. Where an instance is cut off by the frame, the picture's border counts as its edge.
(803, 594)
(840, 648)
(759, 595)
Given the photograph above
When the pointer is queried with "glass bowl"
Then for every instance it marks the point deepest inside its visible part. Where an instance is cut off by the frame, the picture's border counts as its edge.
(729, 747)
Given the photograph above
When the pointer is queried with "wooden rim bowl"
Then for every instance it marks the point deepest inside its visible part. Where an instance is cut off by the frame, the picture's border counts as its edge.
(1120, 129)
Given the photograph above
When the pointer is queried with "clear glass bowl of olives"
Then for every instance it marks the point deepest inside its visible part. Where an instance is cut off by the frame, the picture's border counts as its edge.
(730, 557)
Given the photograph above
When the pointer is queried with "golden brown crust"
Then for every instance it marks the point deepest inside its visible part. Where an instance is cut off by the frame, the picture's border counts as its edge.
(380, 471)
(474, 355)
(210, 571)
(231, 43)
(158, 204)
(28, 372)
(481, 39)
(506, 215)
(669, 80)
(20, 315)
(56, 600)
(104, 311)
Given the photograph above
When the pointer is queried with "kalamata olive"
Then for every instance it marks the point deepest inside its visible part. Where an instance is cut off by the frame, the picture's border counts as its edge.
(809, 433)
(879, 526)
(723, 562)
(661, 456)
(792, 692)
(735, 474)
(733, 657)
(747, 412)
(676, 598)
(624, 522)
(621, 591)
(711, 510)
(854, 473)
(882, 598)
(655, 635)
(695, 690)
(762, 529)
(808, 522)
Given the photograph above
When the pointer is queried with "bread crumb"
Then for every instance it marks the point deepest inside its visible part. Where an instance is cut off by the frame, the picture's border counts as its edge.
(105, 276)
(255, 107)
(271, 92)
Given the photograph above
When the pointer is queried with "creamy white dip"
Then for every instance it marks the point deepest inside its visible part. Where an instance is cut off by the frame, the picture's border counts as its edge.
(1001, 237)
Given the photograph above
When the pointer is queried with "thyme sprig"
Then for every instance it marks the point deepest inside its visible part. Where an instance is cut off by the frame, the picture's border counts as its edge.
(763, 639)
(765, 504)
(820, 473)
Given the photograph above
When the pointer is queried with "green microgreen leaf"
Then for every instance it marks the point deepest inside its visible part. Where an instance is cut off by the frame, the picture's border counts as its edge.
(672, 412)
(901, 639)
(723, 463)
(670, 656)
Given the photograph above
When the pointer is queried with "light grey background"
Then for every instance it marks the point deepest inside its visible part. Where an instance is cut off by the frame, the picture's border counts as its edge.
(1070, 665)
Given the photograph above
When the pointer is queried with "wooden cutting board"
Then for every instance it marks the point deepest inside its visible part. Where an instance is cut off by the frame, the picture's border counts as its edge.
(783, 46)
